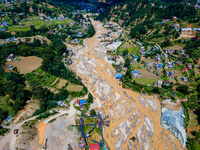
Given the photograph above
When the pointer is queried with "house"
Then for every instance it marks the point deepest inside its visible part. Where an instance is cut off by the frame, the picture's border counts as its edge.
(174, 18)
(118, 76)
(73, 23)
(164, 55)
(185, 69)
(182, 51)
(158, 66)
(85, 27)
(156, 47)
(76, 40)
(62, 104)
(81, 102)
(167, 83)
(3, 29)
(10, 66)
(186, 55)
(189, 66)
(158, 84)
(64, 54)
(170, 74)
(149, 65)
(169, 51)
(186, 29)
(157, 57)
(11, 57)
(42, 17)
(169, 65)
(8, 119)
(60, 18)
(69, 61)
(196, 29)
(94, 146)
(135, 74)
(140, 44)
(79, 34)
(4, 24)
(184, 79)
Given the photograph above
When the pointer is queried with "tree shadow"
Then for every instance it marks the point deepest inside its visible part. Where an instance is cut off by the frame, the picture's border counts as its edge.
(197, 112)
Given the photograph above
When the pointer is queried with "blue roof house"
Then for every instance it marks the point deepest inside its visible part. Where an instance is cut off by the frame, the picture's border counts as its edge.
(83, 102)
(59, 103)
(3, 29)
(118, 76)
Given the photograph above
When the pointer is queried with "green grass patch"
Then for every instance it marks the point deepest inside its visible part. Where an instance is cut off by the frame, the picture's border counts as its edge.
(146, 81)
(4, 105)
(43, 79)
(3, 131)
(37, 23)
(70, 128)
(52, 120)
(193, 120)
(46, 115)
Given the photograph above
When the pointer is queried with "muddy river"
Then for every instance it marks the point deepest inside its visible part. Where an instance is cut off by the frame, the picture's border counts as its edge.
(130, 113)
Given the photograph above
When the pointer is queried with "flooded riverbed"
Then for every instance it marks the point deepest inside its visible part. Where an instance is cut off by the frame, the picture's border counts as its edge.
(130, 113)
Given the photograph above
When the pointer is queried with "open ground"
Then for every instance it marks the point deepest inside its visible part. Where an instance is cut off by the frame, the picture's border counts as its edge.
(25, 64)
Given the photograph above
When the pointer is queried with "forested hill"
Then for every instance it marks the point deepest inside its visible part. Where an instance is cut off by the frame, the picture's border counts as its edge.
(134, 11)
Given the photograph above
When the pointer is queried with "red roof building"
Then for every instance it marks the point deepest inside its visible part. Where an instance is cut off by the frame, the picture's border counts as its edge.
(94, 146)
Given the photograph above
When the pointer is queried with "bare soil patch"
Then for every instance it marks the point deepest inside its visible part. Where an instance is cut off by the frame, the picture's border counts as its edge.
(172, 106)
(177, 47)
(28, 135)
(27, 111)
(76, 88)
(25, 65)
(36, 37)
(62, 83)
(146, 74)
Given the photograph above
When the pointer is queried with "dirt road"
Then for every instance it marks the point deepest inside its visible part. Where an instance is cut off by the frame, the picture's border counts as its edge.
(130, 113)
(11, 138)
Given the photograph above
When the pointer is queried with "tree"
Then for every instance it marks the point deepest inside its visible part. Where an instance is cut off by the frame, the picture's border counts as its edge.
(27, 40)
(167, 42)
(127, 62)
(90, 31)
(33, 30)
(125, 52)
(190, 60)
(133, 138)
(183, 89)
(90, 98)
(92, 112)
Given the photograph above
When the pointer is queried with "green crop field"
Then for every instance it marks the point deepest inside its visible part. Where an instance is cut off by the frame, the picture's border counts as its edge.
(146, 81)
(37, 23)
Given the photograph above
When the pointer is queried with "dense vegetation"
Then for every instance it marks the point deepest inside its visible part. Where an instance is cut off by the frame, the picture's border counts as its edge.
(14, 84)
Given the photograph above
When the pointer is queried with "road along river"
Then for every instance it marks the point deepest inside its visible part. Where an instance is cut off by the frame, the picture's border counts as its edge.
(131, 114)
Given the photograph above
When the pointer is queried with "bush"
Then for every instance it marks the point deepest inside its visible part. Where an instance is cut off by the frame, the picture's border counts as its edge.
(92, 112)
(3, 130)
(46, 115)
(133, 138)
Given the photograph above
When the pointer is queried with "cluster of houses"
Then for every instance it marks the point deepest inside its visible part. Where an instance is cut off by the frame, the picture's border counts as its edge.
(80, 103)
(46, 19)
(62, 104)
(86, 7)
(70, 51)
